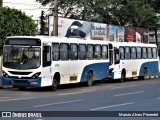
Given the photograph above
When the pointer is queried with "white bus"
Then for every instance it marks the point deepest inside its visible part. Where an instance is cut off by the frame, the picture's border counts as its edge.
(39, 61)
(129, 60)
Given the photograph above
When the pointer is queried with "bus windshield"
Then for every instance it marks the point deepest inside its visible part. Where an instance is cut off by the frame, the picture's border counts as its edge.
(21, 57)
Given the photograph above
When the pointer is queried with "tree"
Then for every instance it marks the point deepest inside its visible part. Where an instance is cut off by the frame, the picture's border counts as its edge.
(14, 22)
(138, 13)
(156, 5)
(75, 9)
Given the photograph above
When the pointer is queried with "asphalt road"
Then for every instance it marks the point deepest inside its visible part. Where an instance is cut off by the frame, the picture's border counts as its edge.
(102, 98)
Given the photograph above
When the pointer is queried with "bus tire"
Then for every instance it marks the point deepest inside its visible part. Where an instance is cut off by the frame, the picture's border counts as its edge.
(145, 74)
(89, 79)
(122, 77)
(54, 86)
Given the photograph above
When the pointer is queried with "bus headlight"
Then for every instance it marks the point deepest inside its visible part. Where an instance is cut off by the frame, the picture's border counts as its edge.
(36, 75)
(4, 74)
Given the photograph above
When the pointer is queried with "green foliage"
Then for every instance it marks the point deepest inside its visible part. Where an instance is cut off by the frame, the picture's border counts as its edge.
(13, 22)
(138, 13)
(67, 8)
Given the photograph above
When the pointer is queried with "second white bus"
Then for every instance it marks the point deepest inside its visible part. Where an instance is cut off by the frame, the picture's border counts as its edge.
(129, 60)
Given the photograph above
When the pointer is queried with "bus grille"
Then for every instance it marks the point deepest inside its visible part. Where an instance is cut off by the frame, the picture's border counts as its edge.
(20, 73)
(20, 82)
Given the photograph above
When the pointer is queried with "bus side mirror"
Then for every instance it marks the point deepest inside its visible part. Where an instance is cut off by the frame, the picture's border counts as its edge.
(110, 46)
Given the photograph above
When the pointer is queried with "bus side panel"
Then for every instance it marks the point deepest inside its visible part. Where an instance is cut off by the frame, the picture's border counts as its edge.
(152, 68)
(100, 71)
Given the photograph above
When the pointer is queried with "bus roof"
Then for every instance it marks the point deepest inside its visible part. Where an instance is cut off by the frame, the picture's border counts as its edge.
(50, 39)
(133, 44)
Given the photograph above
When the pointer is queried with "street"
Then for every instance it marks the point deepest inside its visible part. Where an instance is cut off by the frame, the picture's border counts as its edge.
(132, 95)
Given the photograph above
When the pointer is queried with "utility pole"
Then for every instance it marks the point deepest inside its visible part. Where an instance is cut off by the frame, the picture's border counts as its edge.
(42, 23)
(55, 20)
(1, 3)
(156, 37)
(85, 10)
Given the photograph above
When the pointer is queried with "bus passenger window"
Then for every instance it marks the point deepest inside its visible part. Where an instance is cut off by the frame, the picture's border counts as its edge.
(122, 55)
(154, 52)
(149, 52)
(104, 52)
(133, 53)
(73, 52)
(55, 51)
(127, 53)
(144, 53)
(90, 52)
(97, 54)
(139, 53)
(82, 52)
(64, 48)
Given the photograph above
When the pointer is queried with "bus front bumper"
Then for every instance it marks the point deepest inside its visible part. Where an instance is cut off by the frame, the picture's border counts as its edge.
(19, 82)
(110, 76)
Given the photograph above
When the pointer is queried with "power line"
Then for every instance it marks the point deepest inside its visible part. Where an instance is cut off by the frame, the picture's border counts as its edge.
(20, 3)
(35, 8)
(26, 4)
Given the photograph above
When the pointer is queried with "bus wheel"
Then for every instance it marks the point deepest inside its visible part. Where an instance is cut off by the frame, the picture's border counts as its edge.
(122, 77)
(145, 74)
(54, 86)
(89, 79)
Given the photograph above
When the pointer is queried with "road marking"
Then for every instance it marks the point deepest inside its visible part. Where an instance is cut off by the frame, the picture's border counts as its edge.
(58, 103)
(155, 83)
(17, 99)
(4, 97)
(128, 94)
(158, 98)
(111, 106)
(124, 87)
(77, 92)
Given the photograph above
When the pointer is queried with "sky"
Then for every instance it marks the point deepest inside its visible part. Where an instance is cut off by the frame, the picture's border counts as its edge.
(30, 7)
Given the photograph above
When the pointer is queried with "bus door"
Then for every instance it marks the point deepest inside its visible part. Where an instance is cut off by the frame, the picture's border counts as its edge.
(46, 66)
(114, 61)
(61, 63)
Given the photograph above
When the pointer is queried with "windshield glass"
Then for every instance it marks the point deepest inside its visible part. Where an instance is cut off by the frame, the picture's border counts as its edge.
(21, 57)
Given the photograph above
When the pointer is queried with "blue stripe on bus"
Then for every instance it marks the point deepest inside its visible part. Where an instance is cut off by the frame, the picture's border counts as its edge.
(8, 81)
(100, 71)
(152, 67)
